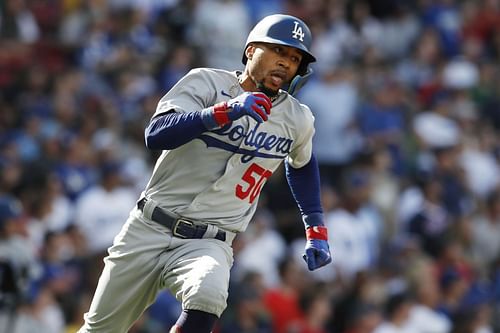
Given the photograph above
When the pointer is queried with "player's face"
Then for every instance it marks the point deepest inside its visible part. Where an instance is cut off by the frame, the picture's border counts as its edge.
(272, 65)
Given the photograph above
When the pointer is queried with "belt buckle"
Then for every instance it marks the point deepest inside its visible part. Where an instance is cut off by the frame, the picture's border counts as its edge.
(178, 223)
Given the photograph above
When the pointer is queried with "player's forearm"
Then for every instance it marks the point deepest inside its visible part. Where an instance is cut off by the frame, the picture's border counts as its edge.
(173, 129)
(305, 186)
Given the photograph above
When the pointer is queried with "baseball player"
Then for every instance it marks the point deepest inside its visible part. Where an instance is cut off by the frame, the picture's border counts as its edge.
(222, 134)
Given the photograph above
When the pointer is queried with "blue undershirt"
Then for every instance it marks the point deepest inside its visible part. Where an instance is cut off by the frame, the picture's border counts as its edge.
(171, 130)
(305, 186)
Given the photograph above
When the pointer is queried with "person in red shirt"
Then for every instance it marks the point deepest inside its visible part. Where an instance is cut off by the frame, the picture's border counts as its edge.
(283, 302)
(315, 304)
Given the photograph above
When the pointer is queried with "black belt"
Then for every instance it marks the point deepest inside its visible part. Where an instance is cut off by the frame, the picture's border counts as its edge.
(180, 227)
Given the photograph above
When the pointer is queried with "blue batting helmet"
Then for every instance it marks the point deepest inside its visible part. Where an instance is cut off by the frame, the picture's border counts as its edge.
(283, 30)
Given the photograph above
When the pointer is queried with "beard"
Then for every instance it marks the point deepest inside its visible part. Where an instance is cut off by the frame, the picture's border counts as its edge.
(268, 92)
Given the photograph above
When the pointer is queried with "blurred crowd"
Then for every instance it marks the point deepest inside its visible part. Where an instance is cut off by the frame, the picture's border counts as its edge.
(406, 96)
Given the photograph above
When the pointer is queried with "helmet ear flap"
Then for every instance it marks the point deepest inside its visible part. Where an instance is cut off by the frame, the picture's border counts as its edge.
(303, 67)
(298, 82)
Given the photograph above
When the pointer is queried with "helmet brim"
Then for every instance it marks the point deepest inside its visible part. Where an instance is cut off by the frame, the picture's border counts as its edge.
(306, 59)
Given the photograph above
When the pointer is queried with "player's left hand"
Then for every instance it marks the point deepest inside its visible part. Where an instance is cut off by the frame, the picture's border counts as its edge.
(317, 254)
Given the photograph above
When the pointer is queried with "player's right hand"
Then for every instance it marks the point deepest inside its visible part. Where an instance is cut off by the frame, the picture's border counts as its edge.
(254, 104)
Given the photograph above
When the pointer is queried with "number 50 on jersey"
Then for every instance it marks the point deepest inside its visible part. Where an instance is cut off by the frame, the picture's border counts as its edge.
(253, 180)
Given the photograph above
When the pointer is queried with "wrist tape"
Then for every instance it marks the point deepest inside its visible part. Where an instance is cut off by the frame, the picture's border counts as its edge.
(220, 114)
(317, 232)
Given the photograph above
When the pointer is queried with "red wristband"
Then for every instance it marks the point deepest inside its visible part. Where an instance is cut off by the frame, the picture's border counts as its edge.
(220, 114)
(317, 232)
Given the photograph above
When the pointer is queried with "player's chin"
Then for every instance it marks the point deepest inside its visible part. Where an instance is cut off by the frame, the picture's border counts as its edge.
(270, 90)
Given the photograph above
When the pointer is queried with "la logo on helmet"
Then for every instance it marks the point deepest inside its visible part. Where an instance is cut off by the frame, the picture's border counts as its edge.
(297, 32)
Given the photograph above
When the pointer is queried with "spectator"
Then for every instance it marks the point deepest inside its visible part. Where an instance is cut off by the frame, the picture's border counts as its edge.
(18, 266)
(453, 287)
(400, 30)
(397, 312)
(220, 40)
(365, 292)
(316, 307)
(381, 118)
(486, 232)
(333, 99)
(385, 191)
(432, 222)
(15, 248)
(17, 22)
(249, 314)
(357, 227)
(444, 15)
(366, 30)
(364, 319)
(264, 249)
(424, 315)
(104, 207)
(74, 167)
(419, 70)
(282, 302)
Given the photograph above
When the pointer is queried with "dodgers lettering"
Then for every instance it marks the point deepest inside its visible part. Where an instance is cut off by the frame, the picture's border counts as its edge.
(258, 140)
(270, 143)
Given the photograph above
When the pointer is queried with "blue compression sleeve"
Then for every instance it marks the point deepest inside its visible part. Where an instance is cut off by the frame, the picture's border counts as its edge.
(305, 186)
(171, 130)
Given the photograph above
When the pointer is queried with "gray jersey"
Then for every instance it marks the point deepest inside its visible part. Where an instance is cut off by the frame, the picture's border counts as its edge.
(218, 176)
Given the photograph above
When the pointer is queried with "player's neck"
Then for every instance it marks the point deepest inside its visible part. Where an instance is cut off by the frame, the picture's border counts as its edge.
(246, 82)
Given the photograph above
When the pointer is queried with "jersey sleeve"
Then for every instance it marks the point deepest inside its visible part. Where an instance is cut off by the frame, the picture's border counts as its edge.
(302, 149)
(193, 92)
